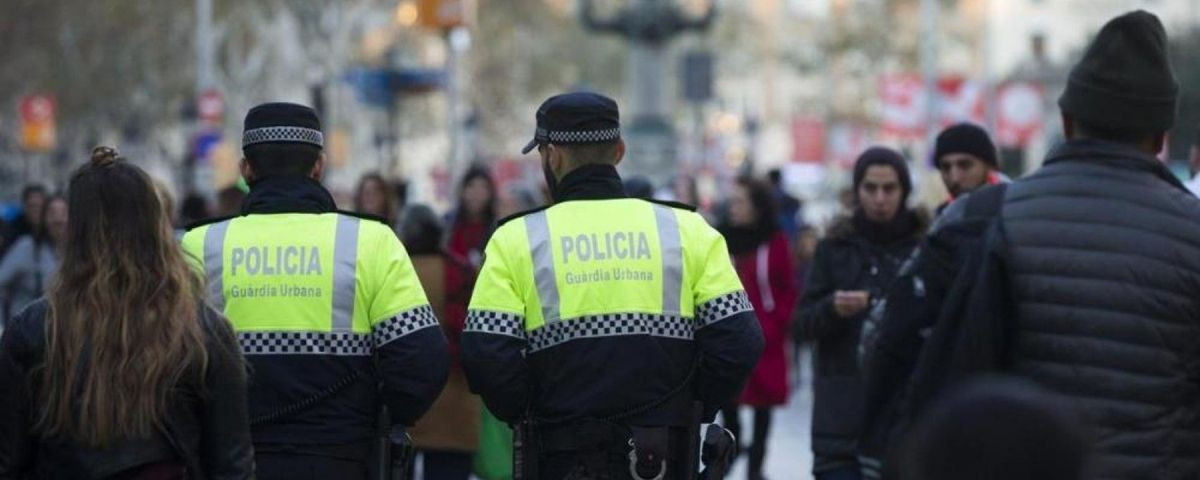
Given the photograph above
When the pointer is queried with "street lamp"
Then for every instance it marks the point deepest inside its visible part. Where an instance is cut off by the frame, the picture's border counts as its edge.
(648, 26)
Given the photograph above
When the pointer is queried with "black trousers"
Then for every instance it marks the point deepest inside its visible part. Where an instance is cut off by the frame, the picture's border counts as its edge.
(607, 462)
(758, 444)
(311, 462)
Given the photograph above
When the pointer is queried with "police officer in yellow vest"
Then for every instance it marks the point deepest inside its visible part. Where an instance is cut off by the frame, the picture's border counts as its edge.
(326, 306)
(602, 322)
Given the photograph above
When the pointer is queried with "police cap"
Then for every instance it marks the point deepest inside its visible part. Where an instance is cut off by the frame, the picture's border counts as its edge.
(576, 118)
(282, 123)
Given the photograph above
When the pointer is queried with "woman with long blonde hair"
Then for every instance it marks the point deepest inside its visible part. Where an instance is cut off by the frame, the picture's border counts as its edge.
(121, 372)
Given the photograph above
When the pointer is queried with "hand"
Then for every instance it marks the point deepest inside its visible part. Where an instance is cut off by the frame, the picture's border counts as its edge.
(850, 303)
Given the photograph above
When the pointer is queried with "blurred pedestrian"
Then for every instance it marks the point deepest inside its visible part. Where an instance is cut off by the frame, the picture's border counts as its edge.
(1090, 278)
(762, 259)
(229, 201)
(31, 263)
(469, 224)
(995, 429)
(638, 186)
(472, 219)
(789, 206)
(374, 197)
(966, 158)
(33, 199)
(851, 268)
(894, 333)
(447, 436)
(122, 371)
(193, 209)
(685, 191)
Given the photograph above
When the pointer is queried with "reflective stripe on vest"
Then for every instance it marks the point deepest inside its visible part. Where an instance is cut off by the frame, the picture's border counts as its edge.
(345, 261)
(672, 258)
(214, 263)
(537, 230)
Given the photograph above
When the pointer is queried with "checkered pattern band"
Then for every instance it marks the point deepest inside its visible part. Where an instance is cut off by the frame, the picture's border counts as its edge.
(305, 343)
(283, 134)
(497, 323)
(587, 136)
(402, 324)
(722, 307)
(610, 325)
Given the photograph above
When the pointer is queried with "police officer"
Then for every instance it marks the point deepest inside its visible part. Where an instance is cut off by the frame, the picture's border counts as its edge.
(326, 305)
(598, 324)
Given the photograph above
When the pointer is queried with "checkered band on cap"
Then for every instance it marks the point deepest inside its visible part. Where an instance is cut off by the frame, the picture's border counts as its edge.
(586, 136)
(722, 307)
(283, 134)
(611, 325)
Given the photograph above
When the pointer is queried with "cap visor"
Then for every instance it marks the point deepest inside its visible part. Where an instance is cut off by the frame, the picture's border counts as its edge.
(529, 146)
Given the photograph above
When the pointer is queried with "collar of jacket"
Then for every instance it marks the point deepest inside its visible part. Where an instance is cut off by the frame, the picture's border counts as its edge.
(288, 194)
(1113, 154)
(590, 182)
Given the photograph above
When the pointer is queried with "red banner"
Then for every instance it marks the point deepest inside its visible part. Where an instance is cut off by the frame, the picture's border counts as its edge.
(1020, 114)
(808, 140)
(904, 109)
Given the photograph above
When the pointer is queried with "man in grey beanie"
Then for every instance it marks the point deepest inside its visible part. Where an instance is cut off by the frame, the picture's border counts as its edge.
(1089, 282)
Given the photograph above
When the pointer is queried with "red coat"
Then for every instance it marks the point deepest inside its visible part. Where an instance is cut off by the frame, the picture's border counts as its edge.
(465, 249)
(770, 282)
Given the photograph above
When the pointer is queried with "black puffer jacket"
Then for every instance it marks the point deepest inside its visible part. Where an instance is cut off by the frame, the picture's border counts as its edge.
(206, 429)
(844, 260)
(1101, 256)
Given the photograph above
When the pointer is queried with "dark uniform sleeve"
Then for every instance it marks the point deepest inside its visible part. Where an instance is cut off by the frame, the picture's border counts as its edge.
(494, 341)
(817, 317)
(225, 447)
(413, 358)
(728, 337)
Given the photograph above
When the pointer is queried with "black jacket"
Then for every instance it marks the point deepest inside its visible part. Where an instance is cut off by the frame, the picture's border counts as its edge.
(845, 260)
(1090, 289)
(894, 334)
(206, 426)
(642, 379)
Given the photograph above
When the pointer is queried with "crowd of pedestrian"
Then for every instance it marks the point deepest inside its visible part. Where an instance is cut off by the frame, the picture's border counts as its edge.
(1044, 327)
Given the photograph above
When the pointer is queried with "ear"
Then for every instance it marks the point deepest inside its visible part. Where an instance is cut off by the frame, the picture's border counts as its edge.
(1160, 142)
(246, 169)
(557, 159)
(1068, 126)
(318, 170)
(620, 151)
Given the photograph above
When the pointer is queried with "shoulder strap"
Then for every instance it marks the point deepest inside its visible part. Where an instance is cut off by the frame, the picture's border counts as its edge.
(679, 205)
(986, 202)
(209, 221)
(521, 214)
(364, 216)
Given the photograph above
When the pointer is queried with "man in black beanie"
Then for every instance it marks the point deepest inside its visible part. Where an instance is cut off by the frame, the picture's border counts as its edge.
(966, 158)
(1089, 283)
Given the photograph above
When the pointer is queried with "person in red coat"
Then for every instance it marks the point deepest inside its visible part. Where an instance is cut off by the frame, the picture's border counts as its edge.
(763, 261)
